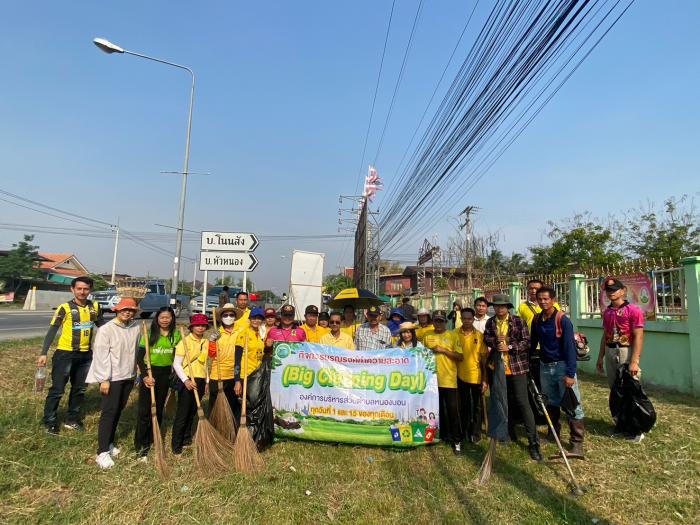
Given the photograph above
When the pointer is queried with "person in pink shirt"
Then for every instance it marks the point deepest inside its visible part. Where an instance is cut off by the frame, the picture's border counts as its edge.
(287, 331)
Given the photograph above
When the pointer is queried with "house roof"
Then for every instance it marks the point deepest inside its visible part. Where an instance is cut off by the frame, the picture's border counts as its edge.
(62, 264)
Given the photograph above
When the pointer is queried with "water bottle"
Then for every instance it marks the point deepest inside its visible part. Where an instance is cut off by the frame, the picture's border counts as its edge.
(39, 379)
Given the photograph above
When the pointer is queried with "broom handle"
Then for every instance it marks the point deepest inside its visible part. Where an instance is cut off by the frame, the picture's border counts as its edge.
(245, 379)
(148, 364)
(189, 367)
(219, 383)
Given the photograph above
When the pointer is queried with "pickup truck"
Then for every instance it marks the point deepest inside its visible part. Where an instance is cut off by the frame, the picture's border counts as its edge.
(213, 299)
(156, 298)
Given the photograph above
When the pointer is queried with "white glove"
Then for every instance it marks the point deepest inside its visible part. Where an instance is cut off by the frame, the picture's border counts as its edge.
(214, 336)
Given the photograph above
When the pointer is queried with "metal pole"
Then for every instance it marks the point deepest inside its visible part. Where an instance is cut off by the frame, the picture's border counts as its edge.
(245, 281)
(114, 257)
(204, 292)
(194, 275)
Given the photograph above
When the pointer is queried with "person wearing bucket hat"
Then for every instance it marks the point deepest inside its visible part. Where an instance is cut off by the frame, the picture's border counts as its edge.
(191, 352)
(372, 335)
(314, 332)
(396, 317)
(336, 337)
(114, 368)
(507, 337)
(448, 353)
(424, 323)
(222, 353)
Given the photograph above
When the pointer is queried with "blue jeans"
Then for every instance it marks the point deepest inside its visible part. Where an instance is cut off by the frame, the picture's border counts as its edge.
(552, 379)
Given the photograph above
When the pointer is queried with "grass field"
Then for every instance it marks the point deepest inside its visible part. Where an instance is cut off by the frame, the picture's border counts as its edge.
(46, 479)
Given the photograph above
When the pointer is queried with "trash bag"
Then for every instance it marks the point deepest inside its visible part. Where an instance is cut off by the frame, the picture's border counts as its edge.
(259, 405)
(540, 418)
(498, 402)
(629, 404)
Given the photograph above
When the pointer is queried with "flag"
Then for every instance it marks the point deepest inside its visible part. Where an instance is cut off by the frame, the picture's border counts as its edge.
(372, 183)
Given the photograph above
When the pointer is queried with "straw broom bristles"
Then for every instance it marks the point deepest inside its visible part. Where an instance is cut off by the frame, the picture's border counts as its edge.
(212, 451)
(221, 416)
(158, 449)
(246, 457)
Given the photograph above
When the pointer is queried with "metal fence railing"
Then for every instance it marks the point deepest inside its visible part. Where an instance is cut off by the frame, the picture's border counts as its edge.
(671, 299)
(591, 299)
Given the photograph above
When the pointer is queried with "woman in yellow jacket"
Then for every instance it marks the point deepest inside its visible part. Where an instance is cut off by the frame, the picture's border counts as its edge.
(222, 352)
(190, 354)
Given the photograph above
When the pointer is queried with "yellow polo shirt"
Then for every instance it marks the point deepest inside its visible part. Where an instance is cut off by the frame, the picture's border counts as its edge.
(446, 367)
(420, 332)
(242, 321)
(197, 351)
(474, 351)
(256, 348)
(314, 335)
(225, 355)
(349, 329)
(342, 341)
(526, 313)
(502, 329)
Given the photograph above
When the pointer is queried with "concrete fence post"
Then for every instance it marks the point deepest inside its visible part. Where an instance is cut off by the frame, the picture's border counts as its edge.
(577, 297)
(691, 275)
(514, 292)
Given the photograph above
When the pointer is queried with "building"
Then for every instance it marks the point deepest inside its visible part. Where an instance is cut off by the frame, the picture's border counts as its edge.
(61, 268)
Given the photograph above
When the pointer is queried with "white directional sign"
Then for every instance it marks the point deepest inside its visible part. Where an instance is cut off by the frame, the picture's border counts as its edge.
(229, 242)
(227, 262)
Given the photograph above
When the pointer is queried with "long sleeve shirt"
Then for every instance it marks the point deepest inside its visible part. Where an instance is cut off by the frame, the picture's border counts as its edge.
(518, 341)
(114, 352)
(553, 348)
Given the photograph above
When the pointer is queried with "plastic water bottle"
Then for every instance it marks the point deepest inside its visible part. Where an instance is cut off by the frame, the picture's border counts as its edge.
(39, 379)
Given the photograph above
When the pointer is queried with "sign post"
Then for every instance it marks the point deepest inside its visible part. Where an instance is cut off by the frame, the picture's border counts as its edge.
(228, 252)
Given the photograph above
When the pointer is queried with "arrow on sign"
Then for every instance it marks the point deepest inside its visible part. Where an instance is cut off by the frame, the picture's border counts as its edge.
(229, 242)
(227, 261)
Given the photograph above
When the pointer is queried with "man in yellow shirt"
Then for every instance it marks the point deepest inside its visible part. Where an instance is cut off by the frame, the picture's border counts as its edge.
(349, 324)
(336, 337)
(448, 352)
(471, 375)
(424, 324)
(529, 309)
(242, 310)
(314, 332)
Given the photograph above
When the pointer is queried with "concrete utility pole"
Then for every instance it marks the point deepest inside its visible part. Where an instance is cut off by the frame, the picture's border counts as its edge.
(116, 248)
(469, 252)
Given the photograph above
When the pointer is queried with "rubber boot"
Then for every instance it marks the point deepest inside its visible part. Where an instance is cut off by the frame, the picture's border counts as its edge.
(554, 413)
(576, 431)
(534, 449)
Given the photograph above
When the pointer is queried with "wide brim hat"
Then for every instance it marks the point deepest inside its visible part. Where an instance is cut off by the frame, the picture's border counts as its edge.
(501, 299)
(228, 307)
(406, 326)
(126, 303)
(440, 315)
(424, 311)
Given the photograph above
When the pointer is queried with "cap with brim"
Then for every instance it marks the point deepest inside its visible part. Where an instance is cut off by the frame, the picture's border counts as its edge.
(424, 311)
(311, 309)
(613, 285)
(287, 309)
(373, 311)
(127, 303)
(404, 327)
(257, 312)
(270, 312)
(501, 299)
(439, 315)
(199, 320)
(324, 316)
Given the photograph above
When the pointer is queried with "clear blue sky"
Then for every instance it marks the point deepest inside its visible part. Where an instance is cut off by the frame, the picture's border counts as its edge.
(282, 104)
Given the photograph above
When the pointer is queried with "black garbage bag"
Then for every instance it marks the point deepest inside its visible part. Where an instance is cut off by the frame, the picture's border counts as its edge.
(540, 418)
(498, 402)
(629, 404)
(259, 405)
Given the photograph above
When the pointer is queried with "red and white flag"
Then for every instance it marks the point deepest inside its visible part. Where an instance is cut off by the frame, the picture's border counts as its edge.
(372, 183)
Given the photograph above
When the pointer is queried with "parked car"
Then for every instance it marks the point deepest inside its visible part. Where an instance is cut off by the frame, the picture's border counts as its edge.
(213, 299)
(107, 299)
(156, 298)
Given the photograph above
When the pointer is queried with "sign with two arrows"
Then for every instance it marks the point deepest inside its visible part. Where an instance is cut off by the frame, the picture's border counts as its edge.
(228, 252)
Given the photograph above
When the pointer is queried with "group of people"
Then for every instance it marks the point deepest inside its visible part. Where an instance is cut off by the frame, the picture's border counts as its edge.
(538, 342)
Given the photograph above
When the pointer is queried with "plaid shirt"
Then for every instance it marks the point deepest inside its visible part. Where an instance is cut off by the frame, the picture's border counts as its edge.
(518, 337)
(366, 339)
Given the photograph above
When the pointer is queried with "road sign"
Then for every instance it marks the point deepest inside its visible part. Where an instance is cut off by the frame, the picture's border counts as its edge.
(227, 261)
(229, 242)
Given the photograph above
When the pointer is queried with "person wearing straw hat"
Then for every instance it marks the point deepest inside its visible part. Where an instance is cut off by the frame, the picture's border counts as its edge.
(162, 340)
(507, 335)
(336, 337)
(258, 371)
(424, 323)
(314, 332)
(407, 336)
(222, 352)
(191, 352)
(114, 367)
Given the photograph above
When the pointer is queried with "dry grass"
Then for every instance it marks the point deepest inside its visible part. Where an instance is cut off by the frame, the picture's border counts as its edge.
(48, 479)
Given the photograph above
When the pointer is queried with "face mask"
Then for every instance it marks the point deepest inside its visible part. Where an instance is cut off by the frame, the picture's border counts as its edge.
(228, 321)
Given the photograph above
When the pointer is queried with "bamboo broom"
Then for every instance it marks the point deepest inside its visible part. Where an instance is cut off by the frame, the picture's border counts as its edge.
(212, 451)
(158, 448)
(246, 457)
(221, 416)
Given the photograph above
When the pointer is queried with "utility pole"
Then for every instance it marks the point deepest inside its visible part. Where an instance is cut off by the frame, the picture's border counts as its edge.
(116, 248)
(469, 252)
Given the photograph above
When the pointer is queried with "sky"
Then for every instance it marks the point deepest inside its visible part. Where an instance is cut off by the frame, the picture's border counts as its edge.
(282, 105)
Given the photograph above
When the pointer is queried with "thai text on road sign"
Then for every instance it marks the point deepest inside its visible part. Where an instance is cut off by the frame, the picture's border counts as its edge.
(227, 261)
(229, 242)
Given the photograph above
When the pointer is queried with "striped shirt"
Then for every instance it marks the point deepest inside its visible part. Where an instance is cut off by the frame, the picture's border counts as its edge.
(77, 325)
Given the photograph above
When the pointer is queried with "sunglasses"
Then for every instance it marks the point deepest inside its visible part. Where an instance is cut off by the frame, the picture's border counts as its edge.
(228, 315)
(333, 322)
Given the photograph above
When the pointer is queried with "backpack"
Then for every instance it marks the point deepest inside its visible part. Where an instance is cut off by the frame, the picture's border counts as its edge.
(580, 340)
(629, 404)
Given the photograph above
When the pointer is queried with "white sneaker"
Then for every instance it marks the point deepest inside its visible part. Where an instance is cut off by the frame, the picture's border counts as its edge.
(636, 439)
(113, 451)
(104, 460)
(143, 459)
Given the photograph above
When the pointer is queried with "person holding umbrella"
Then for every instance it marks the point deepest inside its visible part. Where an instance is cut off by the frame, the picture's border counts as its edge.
(350, 324)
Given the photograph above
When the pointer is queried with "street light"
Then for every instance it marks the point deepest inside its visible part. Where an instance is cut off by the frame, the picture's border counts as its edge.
(109, 48)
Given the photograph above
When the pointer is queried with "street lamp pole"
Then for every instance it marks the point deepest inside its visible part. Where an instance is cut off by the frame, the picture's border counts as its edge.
(109, 48)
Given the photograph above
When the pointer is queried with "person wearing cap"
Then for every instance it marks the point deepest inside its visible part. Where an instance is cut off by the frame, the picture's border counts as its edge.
(190, 358)
(471, 375)
(249, 341)
(481, 307)
(242, 310)
(372, 335)
(424, 323)
(222, 351)
(114, 368)
(407, 336)
(269, 322)
(323, 320)
(507, 336)
(336, 337)
(287, 331)
(350, 324)
(314, 332)
(448, 353)
(623, 335)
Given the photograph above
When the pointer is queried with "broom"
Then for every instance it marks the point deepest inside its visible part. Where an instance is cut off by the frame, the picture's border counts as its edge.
(496, 427)
(158, 448)
(221, 416)
(246, 457)
(212, 451)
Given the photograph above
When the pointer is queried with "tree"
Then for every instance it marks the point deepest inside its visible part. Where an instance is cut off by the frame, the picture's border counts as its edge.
(20, 263)
(100, 282)
(334, 283)
(235, 283)
(578, 242)
(269, 297)
(671, 233)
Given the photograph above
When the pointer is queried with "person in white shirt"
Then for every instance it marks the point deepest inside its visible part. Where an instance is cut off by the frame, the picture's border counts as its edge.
(481, 306)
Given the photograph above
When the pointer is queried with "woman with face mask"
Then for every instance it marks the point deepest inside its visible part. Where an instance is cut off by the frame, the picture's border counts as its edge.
(222, 351)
